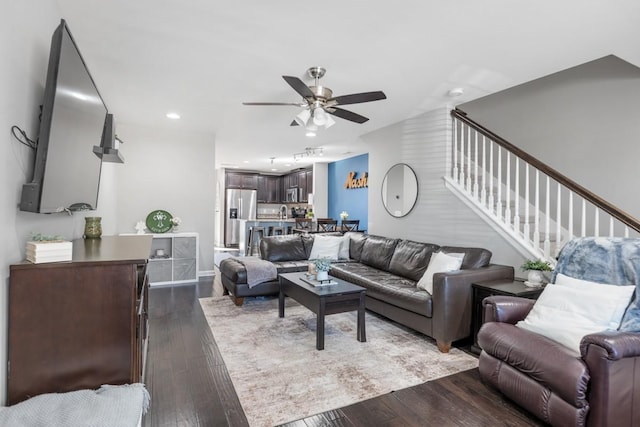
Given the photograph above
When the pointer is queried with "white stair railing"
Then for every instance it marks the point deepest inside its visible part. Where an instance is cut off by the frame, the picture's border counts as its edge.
(502, 182)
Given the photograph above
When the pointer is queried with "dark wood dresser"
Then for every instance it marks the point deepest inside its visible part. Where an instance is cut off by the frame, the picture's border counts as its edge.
(80, 324)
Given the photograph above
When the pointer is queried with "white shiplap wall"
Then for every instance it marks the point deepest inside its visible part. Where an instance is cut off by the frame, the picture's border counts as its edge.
(423, 142)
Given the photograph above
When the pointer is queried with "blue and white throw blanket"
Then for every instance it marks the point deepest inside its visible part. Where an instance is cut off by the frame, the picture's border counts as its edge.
(610, 260)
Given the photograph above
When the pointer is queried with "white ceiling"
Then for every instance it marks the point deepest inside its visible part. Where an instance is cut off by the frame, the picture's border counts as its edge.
(203, 58)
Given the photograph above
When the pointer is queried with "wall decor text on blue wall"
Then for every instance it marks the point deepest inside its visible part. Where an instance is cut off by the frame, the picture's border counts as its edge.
(354, 182)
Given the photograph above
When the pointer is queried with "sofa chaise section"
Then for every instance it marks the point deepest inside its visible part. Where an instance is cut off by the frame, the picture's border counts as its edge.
(289, 253)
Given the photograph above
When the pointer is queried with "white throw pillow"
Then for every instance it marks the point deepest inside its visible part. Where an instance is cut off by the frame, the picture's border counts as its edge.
(326, 247)
(439, 263)
(566, 314)
(343, 253)
(456, 255)
(603, 288)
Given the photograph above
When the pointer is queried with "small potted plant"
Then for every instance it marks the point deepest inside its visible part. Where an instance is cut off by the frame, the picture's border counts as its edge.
(322, 268)
(535, 269)
(175, 222)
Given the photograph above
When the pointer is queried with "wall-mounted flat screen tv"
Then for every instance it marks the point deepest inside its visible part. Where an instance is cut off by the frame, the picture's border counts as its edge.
(66, 174)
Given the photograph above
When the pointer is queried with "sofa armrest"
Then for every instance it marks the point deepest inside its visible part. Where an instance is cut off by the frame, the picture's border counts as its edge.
(505, 309)
(613, 360)
(452, 299)
(233, 270)
(616, 345)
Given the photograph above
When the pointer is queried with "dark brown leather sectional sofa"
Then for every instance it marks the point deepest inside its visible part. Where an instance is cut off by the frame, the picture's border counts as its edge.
(389, 269)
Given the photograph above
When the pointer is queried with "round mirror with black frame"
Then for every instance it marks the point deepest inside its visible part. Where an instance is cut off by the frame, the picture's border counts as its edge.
(399, 190)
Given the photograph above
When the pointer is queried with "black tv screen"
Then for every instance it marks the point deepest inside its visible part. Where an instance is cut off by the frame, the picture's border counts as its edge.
(66, 173)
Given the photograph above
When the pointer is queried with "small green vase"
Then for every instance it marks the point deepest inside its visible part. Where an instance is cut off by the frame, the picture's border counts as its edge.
(92, 227)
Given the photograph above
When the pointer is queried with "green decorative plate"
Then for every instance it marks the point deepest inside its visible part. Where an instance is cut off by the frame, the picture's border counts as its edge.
(159, 221)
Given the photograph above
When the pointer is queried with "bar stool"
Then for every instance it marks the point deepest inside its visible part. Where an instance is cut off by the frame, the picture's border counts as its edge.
(276, 231)
(289, 229)
(255, 234)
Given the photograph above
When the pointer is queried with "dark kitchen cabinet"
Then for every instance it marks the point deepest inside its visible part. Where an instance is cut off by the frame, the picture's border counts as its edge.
(305, 183)
(269, 189)
(293, 180)
(300, 179)
(80, 324)
(247, 181)
(262, 189)
(302, 185)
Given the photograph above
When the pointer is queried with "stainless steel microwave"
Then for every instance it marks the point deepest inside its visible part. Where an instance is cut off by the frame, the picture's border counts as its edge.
(292, 195)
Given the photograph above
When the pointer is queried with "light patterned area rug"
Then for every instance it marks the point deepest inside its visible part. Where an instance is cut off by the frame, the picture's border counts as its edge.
(279, 375)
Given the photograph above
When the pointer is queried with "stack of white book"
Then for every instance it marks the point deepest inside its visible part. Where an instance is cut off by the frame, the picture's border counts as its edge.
(49, 251)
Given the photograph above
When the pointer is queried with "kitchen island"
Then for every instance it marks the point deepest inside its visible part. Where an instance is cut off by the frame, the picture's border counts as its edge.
(243, 245)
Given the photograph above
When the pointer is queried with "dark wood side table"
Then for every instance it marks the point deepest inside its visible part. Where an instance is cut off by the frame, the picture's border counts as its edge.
(481, 290)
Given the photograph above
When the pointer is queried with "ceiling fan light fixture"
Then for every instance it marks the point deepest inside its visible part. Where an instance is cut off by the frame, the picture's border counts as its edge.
(319, 104)
(310, 134)
(319, 117)
(303, 117)
(330, 122)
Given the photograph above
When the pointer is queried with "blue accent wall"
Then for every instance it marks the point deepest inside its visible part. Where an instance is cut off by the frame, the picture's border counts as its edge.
(355, 200)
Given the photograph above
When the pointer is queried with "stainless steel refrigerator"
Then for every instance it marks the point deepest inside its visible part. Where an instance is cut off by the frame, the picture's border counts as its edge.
(240, 204)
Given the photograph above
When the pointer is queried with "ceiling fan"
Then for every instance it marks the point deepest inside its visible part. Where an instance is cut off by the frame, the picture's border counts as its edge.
(319, 100)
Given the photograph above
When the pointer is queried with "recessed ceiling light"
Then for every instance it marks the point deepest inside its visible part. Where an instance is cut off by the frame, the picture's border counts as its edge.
(288, 164)
(310, 134)
(458, 91)
(245, 161)
(273, 169)
(173, 116)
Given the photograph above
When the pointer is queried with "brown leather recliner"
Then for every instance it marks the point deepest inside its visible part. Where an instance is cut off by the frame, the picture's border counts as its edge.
(601, 386)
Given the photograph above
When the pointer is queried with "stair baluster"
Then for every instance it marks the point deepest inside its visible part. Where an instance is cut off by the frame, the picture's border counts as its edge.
(478, 176)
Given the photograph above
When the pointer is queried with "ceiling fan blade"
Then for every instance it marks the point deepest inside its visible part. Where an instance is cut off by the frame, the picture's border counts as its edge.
(299, 86)
(346, 114)
(294, 123)
(297, 104)
(357, 98)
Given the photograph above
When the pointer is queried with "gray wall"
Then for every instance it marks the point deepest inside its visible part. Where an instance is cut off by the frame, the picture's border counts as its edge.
(26, 37)
(582, 121)
(423, 143)
(173, 171)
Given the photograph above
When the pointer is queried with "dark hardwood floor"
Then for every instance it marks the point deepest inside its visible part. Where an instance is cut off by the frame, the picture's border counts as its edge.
(190, 385)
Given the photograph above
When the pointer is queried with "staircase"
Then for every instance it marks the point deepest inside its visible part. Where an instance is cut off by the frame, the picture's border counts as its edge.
(533, 206)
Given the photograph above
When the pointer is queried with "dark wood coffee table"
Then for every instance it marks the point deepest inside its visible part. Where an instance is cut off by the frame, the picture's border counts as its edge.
(324, 300)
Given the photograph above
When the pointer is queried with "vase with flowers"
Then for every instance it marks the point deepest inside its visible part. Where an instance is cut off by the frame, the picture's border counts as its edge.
(322, 268)
(534, 269)
(344, 215)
